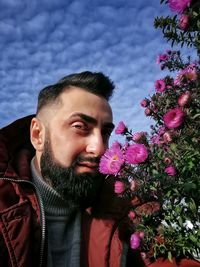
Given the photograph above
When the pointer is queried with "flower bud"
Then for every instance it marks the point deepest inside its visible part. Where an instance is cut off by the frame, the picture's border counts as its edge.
(144, 103)
(132, 215)
(133, 185)
(119, 187)
(143, 255)
(184, 99)
(141, 234)
(183, 22)
(147, 111)
(137, 136)
(167, 160)
(167, 137)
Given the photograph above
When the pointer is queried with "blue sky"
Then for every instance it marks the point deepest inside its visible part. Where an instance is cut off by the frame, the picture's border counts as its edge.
(42, 41)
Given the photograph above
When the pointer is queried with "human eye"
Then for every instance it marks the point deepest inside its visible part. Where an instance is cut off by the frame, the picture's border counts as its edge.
(80, 126)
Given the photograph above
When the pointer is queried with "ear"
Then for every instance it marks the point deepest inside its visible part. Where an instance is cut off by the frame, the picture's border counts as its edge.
(37, 134)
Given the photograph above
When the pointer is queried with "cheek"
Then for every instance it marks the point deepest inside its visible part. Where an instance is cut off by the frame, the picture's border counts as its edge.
(66, 151)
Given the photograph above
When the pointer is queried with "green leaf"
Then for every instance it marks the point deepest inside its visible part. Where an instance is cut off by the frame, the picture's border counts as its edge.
(193, 206)
(195, 14)
(169, 256)
(193, 238)
(189, 187)
(180, 220)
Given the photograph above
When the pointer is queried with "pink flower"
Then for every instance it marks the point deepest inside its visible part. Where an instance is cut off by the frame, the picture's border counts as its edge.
(160, 85)
(189, 73)
(144, 103)
(173, 118)
(162, 57)
(179, 5)
(183, 22)
(116, 145)
(184, 99)
(135, 241)
(155, 139)
(119, 187)
(161, 130)
(131, 215)
(112, 161)
(170, 170)
(121, 128)
(136, 153)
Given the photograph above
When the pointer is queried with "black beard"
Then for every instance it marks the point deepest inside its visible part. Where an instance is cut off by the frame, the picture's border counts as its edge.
(78, 190)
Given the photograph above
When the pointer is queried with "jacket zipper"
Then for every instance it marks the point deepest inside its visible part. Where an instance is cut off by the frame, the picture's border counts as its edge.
(42, 213)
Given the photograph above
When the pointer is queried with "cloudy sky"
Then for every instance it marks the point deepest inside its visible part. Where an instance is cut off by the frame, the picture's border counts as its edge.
(44, 40)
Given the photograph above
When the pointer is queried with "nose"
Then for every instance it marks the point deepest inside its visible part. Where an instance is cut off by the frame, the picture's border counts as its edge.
(96, 145)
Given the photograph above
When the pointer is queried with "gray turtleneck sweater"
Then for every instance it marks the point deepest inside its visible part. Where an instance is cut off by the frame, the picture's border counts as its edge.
(63, 230)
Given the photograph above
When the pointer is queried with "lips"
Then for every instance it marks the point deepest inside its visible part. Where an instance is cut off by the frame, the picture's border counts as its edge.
(88, 165)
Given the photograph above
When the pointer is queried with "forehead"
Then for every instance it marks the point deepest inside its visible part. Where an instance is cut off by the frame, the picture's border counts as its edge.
(79, 100)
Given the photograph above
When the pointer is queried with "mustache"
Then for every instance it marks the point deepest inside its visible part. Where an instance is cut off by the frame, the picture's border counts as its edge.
(80, 159)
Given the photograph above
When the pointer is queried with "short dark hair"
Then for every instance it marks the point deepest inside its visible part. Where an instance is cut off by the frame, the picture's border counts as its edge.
(94, 82)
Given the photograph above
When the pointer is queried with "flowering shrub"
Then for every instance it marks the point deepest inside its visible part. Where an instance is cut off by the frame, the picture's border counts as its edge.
(159, 171)
(184, 26)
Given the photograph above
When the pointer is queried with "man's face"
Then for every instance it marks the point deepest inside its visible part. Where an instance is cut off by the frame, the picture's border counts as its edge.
(76, 137)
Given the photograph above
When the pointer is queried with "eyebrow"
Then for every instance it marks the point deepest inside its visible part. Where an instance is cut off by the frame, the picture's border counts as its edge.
(92, 120)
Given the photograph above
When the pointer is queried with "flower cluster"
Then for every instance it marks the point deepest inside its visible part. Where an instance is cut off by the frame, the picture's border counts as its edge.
(159, 170)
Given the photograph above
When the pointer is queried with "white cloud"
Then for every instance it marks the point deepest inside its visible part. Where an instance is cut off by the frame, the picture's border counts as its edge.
(41, 41)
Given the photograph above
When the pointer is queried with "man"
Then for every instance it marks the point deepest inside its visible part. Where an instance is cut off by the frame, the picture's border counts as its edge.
(55, 207)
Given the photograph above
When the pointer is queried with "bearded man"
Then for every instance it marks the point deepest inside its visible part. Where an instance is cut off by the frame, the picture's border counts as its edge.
(56, 209)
